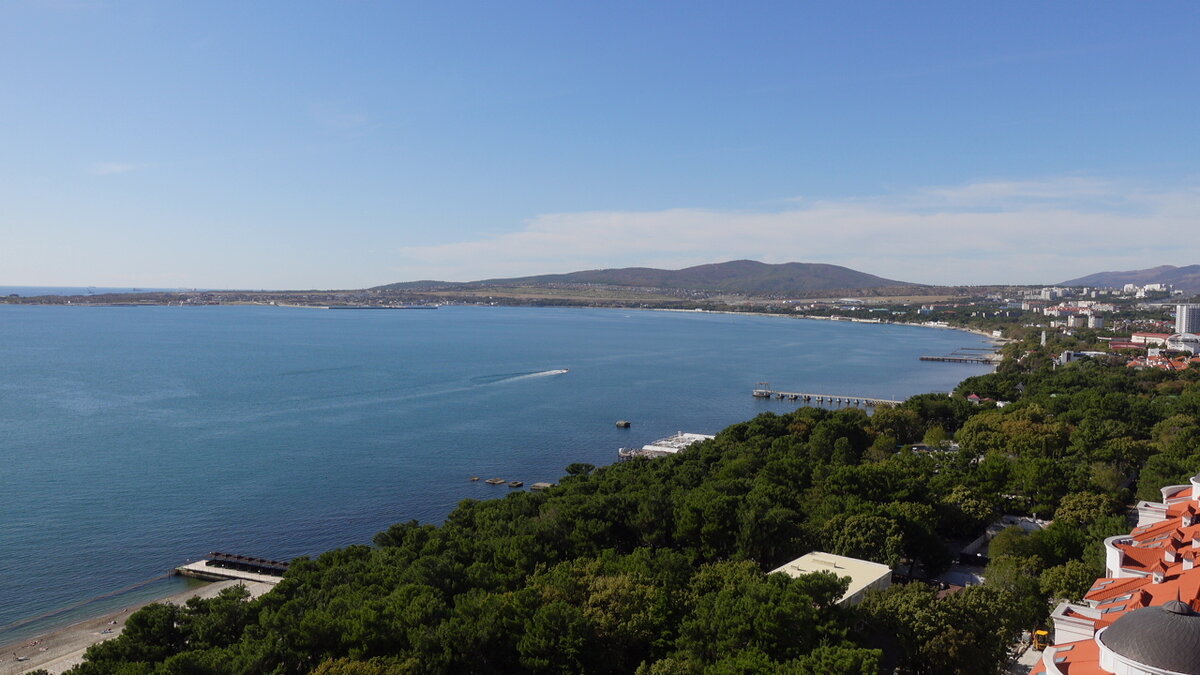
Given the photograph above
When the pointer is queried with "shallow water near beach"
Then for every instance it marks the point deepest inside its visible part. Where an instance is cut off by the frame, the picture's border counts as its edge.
(133, 439)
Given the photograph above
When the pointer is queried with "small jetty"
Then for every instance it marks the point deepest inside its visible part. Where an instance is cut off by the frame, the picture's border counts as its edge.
(969, 355)
(225, 566)
(807, 397)
(624, 424)
(990, 360)
(514, 483)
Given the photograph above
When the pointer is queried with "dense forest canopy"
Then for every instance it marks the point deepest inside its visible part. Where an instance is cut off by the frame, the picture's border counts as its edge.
(660, 566)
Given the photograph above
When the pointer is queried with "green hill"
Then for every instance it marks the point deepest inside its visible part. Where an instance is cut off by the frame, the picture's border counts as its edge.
(1183, 278)
(738, 276)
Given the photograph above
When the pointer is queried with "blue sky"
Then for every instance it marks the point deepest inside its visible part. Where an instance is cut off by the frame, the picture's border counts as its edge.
(354, 143)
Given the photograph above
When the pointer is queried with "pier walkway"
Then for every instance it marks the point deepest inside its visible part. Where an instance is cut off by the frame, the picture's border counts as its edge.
(201, 570)
(868, 401)
(221, 566)
(990, 360)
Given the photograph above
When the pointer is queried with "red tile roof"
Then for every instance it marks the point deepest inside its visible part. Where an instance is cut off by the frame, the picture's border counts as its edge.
(1143, 554)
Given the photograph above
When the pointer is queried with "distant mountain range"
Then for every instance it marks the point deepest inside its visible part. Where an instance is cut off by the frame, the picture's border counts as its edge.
(1183, 278)
(739, 276)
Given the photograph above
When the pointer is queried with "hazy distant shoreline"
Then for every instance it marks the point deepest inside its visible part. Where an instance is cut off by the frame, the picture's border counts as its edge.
(416, 303)
(975, 331)
(82, 291)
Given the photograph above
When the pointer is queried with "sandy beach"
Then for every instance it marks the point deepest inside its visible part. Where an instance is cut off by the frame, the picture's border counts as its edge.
(62, 649)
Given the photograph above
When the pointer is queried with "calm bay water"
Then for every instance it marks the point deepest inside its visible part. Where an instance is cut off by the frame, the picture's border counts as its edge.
(133, 439)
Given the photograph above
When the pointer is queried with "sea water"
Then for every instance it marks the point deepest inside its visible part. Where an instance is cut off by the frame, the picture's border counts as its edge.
(133, 439)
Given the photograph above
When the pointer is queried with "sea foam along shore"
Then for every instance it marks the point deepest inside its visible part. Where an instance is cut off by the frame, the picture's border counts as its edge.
(62, 649)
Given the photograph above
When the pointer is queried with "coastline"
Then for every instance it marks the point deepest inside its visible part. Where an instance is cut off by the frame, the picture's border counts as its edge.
(83, 633)
(845, 319)
(63, 648)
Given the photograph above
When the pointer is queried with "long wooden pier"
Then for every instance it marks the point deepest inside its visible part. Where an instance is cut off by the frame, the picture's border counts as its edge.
(868, 401)
(963, 359)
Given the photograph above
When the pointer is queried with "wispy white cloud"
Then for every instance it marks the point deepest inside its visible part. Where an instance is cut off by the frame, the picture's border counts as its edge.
(1030, 231)
(113, 168)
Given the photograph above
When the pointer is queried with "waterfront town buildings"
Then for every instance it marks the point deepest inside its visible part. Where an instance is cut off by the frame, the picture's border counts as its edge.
(1161, 362)
(1143, 291)
(1141, 618)
(1156, 339)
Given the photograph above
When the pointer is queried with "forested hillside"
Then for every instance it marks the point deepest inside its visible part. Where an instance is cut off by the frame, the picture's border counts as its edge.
(1185, 278)
(736, 276)
(659, 566)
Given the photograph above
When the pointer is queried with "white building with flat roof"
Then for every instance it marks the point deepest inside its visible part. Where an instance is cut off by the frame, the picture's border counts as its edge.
(864, 574)
(1184, 342)
(666, 446)
(673, 444)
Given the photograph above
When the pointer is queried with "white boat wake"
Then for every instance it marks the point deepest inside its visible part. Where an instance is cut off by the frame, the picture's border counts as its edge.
(544, 373)
(512, 377)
